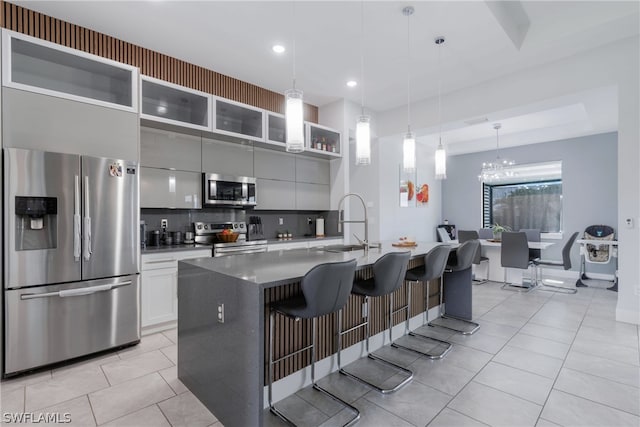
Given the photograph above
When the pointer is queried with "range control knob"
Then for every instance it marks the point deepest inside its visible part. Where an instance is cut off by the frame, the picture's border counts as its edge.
(242, 225)
(206, 227)
(235, 225)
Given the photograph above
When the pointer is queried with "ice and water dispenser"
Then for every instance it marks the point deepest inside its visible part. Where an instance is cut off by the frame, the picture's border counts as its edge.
(36, 223)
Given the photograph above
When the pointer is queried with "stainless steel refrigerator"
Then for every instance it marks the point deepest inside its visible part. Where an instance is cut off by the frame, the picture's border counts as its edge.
(71, 256)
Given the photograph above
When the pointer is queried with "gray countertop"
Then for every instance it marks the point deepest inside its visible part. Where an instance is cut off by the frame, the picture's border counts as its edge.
(273, 268)
(174, 248)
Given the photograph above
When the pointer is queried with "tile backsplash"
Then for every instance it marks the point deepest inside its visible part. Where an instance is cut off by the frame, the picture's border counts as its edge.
(295, 222)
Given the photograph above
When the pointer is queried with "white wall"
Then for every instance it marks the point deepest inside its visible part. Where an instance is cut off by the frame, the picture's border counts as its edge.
(418, 222)
(612, 64)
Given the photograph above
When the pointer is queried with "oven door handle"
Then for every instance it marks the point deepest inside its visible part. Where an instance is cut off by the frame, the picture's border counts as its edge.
(248, 250)
(76, 292)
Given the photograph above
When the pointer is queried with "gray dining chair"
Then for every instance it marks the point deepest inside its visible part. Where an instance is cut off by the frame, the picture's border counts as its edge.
(565, 264)
(466, 235)
(533, 235)
(485, 233)
(514, 253)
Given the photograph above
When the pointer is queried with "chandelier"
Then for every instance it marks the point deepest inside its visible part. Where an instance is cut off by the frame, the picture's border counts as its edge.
(498, 169)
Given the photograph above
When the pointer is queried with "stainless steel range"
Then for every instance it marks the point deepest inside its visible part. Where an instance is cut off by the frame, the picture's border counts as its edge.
(207, 233)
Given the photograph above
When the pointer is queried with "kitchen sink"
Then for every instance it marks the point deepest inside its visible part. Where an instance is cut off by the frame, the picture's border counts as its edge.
(341, 248)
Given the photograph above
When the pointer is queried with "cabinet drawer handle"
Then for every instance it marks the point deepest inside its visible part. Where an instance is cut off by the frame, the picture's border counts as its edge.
(158, 261)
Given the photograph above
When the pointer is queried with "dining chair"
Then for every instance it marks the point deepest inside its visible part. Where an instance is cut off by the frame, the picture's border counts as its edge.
(466, 235)
(514, 253)
(565, 264)
(485, 233)
(533, 235)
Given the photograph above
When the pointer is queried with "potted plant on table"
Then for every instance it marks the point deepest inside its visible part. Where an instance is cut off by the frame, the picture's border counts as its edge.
(498, 229)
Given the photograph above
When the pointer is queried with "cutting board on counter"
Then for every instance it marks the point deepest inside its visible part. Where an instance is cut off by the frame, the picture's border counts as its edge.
(404, 244)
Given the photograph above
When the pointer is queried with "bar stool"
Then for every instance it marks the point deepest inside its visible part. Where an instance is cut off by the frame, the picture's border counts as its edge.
(388, 275)
(466, 235)
(435, 262)
(325, 290)
(464, 257)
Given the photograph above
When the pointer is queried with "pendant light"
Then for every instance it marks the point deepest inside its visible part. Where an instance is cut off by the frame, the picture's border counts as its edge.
(441, 155)
(294, 107)
(409, 142)
(498, 169)
(363, 128)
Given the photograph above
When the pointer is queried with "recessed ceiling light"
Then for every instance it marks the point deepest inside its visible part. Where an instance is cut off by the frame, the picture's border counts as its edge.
(278, 48)
(352, 83)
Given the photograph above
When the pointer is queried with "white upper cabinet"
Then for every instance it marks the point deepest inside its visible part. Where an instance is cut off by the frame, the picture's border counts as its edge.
(169, 103)
(239, 120)
(43, 67)
(323, 140)
(276, 129)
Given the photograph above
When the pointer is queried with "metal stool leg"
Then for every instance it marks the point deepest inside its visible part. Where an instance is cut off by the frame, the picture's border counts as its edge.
(449, 322)
(365, 324)
(430, 355)
(315, 386)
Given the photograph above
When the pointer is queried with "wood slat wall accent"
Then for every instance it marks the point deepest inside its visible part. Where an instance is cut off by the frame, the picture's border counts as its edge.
(150, 63)
(291, 335)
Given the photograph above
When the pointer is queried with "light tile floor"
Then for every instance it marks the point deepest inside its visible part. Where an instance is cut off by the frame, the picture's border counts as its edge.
(539, 359)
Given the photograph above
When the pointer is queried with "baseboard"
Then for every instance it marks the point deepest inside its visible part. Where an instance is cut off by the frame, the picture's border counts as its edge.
(302, 378)
(628, 316)
(154, 329)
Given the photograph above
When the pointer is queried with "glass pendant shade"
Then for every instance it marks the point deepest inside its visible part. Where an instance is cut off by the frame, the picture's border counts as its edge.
(441, 162)
(363, 141)
(294, 117)
(409, 152)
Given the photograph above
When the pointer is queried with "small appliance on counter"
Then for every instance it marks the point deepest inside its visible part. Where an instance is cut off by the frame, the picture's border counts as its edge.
(207, 233)
(189, 238)
(143, 234)
(254, 228)
(320, 227)
(451, 230)
(153, 238)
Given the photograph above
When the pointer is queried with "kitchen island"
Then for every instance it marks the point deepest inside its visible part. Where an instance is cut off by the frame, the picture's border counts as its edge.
(223, 321)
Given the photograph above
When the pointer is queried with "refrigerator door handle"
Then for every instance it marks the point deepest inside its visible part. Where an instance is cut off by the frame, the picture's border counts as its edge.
(76, 220)
(87, 221)
(76, 292)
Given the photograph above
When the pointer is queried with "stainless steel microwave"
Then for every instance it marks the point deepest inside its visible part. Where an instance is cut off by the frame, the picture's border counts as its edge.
(225, 190)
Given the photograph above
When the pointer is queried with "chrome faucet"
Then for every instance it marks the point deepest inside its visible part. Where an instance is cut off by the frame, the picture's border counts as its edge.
(365, 244)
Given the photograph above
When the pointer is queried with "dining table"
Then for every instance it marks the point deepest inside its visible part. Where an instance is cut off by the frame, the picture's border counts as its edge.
(491, 249)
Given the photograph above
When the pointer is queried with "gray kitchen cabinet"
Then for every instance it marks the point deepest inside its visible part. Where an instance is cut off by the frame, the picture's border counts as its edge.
(312, 197)
(40, 122)
(313, 171)
(170, 150)
(276, 195)
(162, 188)
(272, 164)
(227, 158)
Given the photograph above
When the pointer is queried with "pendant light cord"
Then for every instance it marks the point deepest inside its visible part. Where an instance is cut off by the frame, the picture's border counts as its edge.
(440, 92)
(362, 56)
(294, 44)
(408, 72)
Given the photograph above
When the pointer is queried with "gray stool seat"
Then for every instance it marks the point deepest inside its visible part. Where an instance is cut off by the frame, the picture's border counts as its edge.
(325, 290)
(435, 262)
(388, 275)
(565, 263)
(465, 236)
(465, 255)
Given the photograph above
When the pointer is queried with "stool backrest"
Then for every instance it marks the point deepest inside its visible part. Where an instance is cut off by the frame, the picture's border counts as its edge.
(465, 254)
(514, 250)
(465, 236)
(389, 271)
(566, 251)
(326, 287)
(435, 261)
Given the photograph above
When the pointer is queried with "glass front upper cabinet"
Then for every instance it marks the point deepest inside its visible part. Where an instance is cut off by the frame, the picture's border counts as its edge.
(276, 129)
(48, 68)
(170, 103)
(323, 140)
(236, 119)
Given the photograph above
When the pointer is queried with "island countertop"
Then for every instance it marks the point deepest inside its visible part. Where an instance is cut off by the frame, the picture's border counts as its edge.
(270, 269)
